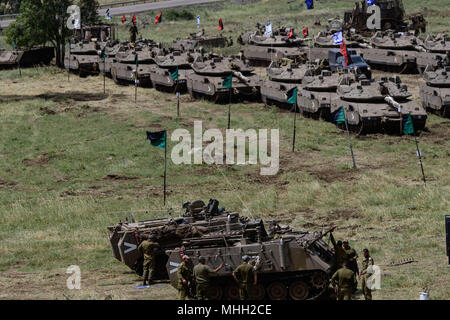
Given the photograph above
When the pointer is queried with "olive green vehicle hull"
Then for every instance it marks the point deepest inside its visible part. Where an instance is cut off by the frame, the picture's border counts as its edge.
(82, 64)
(211, 88)
(315, 104)
(26, 58)
(263, 56)
(162, 81)
(275, 93)
(436, 100)
(123, 74)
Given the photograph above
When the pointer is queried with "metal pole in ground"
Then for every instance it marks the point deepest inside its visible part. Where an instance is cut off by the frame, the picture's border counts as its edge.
(295, 127)
(350, 143)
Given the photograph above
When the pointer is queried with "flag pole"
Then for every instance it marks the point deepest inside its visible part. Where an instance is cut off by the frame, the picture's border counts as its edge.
(295, 126)
(349, 141)
(178, 100)
(418, 153)
(229, 111)
(165, 168)
(104, 75)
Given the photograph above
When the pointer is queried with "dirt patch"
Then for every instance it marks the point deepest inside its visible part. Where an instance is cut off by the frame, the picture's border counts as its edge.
(41, 160)
(7, 184)
(73, 95)
(330, 175)
(120, 177)
(48, 111)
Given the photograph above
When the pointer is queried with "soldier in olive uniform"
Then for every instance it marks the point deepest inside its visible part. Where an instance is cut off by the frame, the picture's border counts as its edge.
(148, 248)
(447, 59)
(351, 261)
(340, 253)
(343, 281)
(245, 275)
(202, 273)
(133, 32)
(184, 277)
(365, 274)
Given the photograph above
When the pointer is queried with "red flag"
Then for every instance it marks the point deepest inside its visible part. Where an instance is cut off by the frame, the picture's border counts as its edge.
(305, 32)
(220, 24)
(343, 50)
(291, 33)
(134, 18)
(124, 19)
(158, 18)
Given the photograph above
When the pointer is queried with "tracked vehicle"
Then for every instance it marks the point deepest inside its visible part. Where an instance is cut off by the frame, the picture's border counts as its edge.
(111, 49)
(435, 94)
(199, 39)
(437, 44)
(282, 78)
(123, 69)
(167, 63)
(376, 106)
(290, 264)
(26, 57)
(209, 73)
(396, 41)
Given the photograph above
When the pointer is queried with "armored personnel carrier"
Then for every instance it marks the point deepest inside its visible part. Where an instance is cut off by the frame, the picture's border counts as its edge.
(325, 40)
(84, 49)
(199, 39)
(290, 264)
(396, 41)
(374, 106)
(123, 69)
(319, 90)
(435, 94)
(167, 63)
(282, 78)
(197, 221)
(26, 57)
(211, 70)
(438, 44)
(111, 49)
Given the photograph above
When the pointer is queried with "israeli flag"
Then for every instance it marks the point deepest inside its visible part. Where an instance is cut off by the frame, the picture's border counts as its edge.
(309, 4)
(107, 15)
(76, 24)
(337, 37)
(198, 22)
(268, 28)
(370, 2)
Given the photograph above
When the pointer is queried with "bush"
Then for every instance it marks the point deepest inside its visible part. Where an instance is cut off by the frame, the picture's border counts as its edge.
(175, 15)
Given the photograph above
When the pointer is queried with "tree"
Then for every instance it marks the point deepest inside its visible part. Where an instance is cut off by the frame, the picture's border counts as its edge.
(42, 21)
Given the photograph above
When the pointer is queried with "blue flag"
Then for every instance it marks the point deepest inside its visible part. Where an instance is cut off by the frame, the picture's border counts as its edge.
(268, 28)
(337, 37)
(198, 22)
(107, 15)
(370, 2)
(309, 4)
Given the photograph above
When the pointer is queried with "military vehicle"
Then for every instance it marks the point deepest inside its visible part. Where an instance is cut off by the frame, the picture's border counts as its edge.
(438, 44)
(209, 73)
(84, 49)
(263, 56)
(26, 57)
(392, 17)
(123, 69)
(396, 41)
(376, 106)
(435, 94)
(337, 62)
(325, 40)
(282, 78)
(424, 59)
(199, 39)
(290, 264)
(318, 91)
(167, 63)
(197, 221)
(112, 47)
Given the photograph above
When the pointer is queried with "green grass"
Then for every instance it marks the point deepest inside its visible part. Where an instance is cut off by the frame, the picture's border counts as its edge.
(61, 140)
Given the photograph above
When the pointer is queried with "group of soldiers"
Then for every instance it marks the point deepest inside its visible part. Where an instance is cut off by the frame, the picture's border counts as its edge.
(344, 280)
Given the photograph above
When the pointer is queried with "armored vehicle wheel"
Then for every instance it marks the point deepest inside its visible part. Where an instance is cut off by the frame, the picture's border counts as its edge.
(277, 291)
(319, 280)
(232, 292)
(298, 290)
(216, 293)
(256, 292)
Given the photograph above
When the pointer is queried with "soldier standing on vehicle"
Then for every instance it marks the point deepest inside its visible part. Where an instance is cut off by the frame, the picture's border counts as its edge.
(365, 274)
(343, 281)
(340, 253)
(202, 273)
(245, 275)
(148, 248)
(184, 277)
(133, 32)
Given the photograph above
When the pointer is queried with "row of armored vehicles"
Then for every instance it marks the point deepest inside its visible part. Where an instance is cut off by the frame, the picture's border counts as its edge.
(291, 264)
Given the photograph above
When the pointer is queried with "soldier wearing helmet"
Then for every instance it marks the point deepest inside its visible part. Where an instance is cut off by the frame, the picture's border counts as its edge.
(184, 277)
(149, 248)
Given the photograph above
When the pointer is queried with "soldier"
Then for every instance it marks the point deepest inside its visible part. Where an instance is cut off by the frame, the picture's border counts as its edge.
(351, 257)
(447, 59)
(202, 273)
(365, 274)
(148, 248)
(343, 281)
(184, 277)
(133, 32)
(340, 253)
(244, 275)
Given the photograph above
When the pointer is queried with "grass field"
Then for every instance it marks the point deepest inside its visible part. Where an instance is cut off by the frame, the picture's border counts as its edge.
(74, 161)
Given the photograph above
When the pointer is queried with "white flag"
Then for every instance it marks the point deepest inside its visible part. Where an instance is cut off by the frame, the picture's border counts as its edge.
(198, 22)
(108, 15)
(268, 28)
(337, 37)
